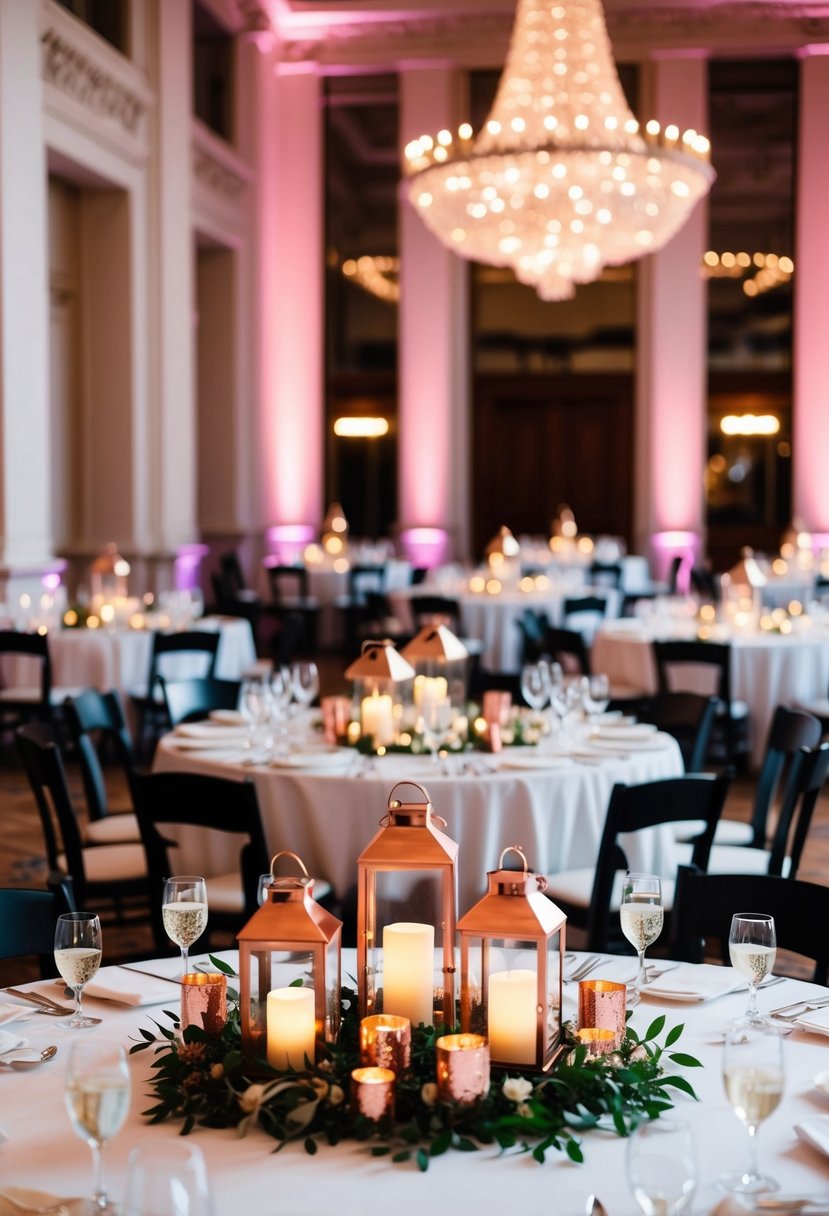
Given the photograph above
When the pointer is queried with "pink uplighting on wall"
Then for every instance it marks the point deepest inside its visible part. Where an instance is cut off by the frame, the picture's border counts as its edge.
(188, 561)
(424, 546)
(668, 545)
(286, 542)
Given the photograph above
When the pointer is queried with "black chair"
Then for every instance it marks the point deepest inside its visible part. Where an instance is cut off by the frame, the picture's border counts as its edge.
(436, 610)
(234, 597)
(704, 583)
(97, 726)
(807, 776)
(532, 626)
(39, 701)
(677, 661)
(591, 896)
(568, 647)
(677, 562)
(688, 717)
(498, 681)
(166, 801)
(291, 599)
(149, 704)
(705, 903)
(605, 574)
(190, 700)
(101, 871)
(27, 923)
(584, 613)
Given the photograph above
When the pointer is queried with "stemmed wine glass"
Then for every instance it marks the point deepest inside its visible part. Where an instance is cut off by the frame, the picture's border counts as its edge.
(255, 706)
(435, 721)
(97, 1098)
(662, 1166)
(595, 694)
(752, 945)
(305, 682)
(167, 1178)
(753, 1077)
(77, 958)
(641, 915)
(535, 685)
(184, 911)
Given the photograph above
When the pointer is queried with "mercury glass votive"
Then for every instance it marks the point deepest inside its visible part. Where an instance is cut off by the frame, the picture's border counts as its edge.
(602, 1006)
(386, 1042)
(204, 1001)
(372, 1092)
(597, 1041)
(462, 1067)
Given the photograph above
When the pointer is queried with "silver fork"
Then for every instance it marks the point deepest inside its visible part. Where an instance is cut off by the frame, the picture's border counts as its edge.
(804, 1007)
(583, 968)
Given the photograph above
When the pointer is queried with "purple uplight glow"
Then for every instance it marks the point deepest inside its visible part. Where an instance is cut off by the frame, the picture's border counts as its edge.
(424, 546)
(187, 563)
(665, 546)
(286, 542)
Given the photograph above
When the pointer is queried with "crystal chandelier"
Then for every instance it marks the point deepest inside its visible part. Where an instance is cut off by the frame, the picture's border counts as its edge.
(560, 181)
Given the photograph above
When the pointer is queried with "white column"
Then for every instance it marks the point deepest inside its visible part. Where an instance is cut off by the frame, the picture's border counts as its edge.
(810, 423)
(25, 510)
(290, 297)
(671, 381)
(433, 344)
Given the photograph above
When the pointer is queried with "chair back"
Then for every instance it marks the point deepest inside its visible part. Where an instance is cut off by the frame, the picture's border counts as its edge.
(790, 730)
(364, 579)
(675, 657)
(35, 646)
(584, 613)
(167, 800)
(189, 700)
(47, 777)
(100, 714)
(704, 583)
(183, 641)
(705, 903)
(436, 609)
(568, 647)
(232, 575)
(605, 574)
(27, 923)
(288, 584)
(688, 717)
(633, 808)
(807, 778)
(532, 626)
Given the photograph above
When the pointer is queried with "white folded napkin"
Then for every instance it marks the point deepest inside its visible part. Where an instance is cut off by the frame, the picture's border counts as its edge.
(10, 1041)
(815, 1131)
(132, 988)
(815, 1020)
(632, 731)
(11, 1013)
(223, 743)
(691, 982)
(210, 730)
(615, 743)
(329, 758)
(533, 760)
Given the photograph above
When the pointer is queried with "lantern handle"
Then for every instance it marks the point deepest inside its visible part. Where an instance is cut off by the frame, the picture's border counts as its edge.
(516, 848)
(295, 856)
(393, 803)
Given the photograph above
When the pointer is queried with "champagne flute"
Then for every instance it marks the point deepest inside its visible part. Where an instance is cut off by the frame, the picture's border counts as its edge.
(752, 945)
(662, 1167)
(167, 1178)
(97, 1098)
(184, 911)
(753, 1077)
(77, 958)
(641, 915)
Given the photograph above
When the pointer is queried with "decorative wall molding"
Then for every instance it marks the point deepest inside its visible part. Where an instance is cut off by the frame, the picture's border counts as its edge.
(70, 70)
(217, 169)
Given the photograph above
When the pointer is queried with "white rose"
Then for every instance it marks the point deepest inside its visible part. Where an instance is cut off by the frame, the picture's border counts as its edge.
(429, 1094)
(251, 1099)
(335, 1095)
(517, 1089)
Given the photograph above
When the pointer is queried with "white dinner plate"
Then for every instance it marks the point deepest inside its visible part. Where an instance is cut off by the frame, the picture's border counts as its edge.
(210, 730)
(638, 730)
(334, 758)
(534, 762)
(653, 743)
(227, 717)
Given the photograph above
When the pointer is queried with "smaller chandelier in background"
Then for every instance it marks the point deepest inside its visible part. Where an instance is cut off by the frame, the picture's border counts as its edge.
(560, 181)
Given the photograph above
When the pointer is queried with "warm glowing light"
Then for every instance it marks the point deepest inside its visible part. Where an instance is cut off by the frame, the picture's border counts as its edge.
(708, 613)
(477, 583)
(795, 608)
(585, 544)
(92, 621)
(107, 613)
(750, 424)
(526, 583)
(361, 428)
(342, 565)
(70, 618)
(312, 555)
(493, 586)
(780, 566)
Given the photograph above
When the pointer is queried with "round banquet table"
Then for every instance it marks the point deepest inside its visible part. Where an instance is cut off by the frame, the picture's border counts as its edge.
(44, 1154)
(556, 814)
(767, 669)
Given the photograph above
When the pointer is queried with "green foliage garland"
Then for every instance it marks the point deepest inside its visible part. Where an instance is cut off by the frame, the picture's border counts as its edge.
(206, 1081)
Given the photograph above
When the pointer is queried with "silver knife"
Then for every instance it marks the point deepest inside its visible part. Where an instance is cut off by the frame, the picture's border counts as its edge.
(171, 979)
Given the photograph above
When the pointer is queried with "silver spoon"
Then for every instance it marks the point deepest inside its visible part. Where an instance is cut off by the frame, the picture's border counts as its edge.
(25, 1059)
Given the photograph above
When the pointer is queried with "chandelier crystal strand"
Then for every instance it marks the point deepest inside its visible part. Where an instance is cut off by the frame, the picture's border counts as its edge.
(560, 181)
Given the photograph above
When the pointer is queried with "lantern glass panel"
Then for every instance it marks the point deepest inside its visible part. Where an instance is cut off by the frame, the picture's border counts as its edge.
(405, 944)
(502, 995)
(440, 679)
(269, 969)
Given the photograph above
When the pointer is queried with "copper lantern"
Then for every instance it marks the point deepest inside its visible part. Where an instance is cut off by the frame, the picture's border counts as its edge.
(406, 901)
(512, 948)
(289, 973)
(382, 683)
(439, 659)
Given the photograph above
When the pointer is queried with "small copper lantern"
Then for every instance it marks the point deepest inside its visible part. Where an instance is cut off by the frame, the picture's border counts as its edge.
(406, 913)
(439, 661)
(382, 683)
(289, 972)
(743, 591)
(512, 948)
(109, 576)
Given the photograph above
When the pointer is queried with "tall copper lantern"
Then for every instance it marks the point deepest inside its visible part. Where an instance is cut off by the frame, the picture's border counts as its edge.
(512, 948)
(439, 659)
(289, 972)
(382, 682)
(406, 914)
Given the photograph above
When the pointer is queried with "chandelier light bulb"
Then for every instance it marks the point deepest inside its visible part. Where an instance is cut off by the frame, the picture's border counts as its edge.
(560, 144)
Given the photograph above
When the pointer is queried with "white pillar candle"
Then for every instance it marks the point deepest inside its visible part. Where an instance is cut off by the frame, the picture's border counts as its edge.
(430, 690)
(512, 1020)
(377, 717)
(291, 1027)
(408, 971)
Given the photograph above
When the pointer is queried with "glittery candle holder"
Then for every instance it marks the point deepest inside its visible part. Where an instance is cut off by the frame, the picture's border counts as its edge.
(372, 1092)
(462, 1066)
(386, 1042)
(598, 1042)
(204, 1002)
(602, 1006)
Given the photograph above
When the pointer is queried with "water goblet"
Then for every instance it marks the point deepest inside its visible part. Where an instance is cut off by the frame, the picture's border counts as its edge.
(752, 945)
(184, 911)
(662, 1167)
(255, 708)
(596, 695)
(435, 723)
(97, 1098)
(753, 1077)
(535, 685)
(77, 958)
(167, 1178)
(305, 682)
(641, 916)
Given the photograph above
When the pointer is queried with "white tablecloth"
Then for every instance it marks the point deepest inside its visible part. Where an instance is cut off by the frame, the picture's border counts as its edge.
(556, 815)
(43, 1153)
(767, 669)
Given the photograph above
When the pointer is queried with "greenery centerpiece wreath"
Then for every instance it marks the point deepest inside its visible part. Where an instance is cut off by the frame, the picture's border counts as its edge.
(205, 1080)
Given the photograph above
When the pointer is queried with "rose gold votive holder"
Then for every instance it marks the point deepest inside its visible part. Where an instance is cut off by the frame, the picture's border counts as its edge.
(602, 1006)
(372, 1092)
(204, 1002)
(386, 1042)
(598, 1042)
(462, 1066)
